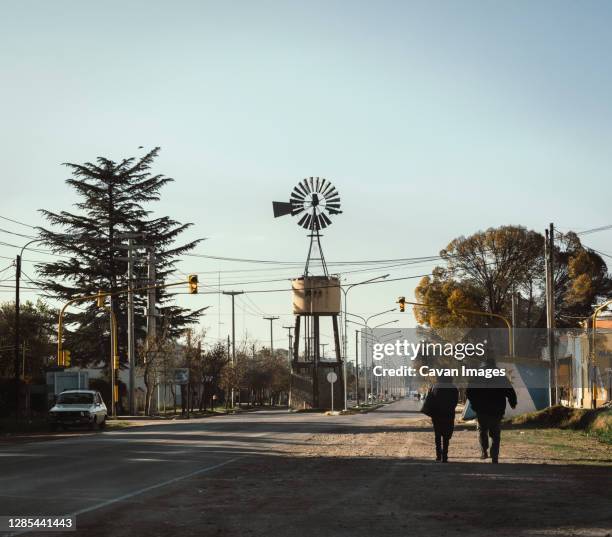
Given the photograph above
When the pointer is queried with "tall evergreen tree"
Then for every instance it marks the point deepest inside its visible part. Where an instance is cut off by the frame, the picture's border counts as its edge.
(114, 200)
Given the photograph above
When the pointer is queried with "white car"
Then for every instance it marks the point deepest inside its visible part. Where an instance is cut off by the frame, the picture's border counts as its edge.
(78, 407)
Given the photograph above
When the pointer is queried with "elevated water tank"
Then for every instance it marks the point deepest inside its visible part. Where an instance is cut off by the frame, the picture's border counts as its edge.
(318, 295)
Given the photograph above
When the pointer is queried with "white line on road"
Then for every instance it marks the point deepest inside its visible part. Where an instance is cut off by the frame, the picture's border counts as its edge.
(129, 495)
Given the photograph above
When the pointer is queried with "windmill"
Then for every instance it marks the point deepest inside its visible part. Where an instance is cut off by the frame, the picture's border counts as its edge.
(315, 201)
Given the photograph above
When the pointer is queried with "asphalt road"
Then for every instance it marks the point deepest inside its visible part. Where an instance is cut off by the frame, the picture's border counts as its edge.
(105, 471)
(274, 473)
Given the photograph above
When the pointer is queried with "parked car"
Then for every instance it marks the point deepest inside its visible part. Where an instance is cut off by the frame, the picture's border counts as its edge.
(78, 407)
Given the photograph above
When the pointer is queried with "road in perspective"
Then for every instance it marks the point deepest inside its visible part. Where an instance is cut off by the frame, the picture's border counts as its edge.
(280, 473)
(295, 269)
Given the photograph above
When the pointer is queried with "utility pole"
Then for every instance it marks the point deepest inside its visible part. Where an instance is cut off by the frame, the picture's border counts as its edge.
(151, 310)
(357, 362)
(130, 316)
(271, 319)
(233, 294)
(151, 298)
(290, 352)
(323, 351)
(514, 301)
(130, 323)
(549, 249)
(17, 335)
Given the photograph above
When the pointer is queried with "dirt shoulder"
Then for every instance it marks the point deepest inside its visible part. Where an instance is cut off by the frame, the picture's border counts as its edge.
(414, 438)
(379, 478)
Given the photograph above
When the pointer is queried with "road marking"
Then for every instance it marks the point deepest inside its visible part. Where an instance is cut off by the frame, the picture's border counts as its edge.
(152, 487)
(129, 495)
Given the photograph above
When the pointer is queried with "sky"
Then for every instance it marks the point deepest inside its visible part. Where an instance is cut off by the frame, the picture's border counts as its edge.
(433, 120)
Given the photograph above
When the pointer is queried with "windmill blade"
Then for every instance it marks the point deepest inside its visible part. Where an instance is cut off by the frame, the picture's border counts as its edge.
(305, 184)
(332, 193)
(317, 183)
(328, 189)
(297, 201)
(323, 186)
(322, 223)
(334, 211)
(297, 193)
(326, 220)
(281, 208)
(302, 189)
(308, 221)
(303, 220)
(297, 210)
(333, 207)
(312, 184)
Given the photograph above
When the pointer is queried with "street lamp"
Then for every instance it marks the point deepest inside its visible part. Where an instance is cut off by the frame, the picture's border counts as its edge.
(17, 323)
(344, 335)
(365, 323)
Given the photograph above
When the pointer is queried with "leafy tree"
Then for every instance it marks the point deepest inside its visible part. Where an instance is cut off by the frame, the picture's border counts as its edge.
(114, 199)
(483, 270)
(37, 327)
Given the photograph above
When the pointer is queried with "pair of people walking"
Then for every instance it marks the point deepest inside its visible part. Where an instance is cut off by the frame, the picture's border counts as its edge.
(488, 400)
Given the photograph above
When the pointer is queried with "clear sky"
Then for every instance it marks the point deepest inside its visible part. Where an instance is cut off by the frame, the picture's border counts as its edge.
(433, 119)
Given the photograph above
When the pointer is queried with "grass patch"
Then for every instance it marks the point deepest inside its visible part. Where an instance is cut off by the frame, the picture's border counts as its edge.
(555, 445)
(115, 425)
(593, 422)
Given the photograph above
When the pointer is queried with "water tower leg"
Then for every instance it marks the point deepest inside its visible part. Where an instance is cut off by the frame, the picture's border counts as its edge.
(296, 341)
(315, 364)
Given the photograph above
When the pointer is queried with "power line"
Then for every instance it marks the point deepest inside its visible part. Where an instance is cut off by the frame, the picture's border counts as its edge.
(594, 230)
(17, 222)
(16, 234)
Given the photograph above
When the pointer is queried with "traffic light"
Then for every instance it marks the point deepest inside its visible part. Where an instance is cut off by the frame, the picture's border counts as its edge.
(193, 283)
(402, 303)
(100, 299)
(66, 361)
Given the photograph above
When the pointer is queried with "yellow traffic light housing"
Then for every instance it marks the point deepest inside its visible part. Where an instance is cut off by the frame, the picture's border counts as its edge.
(402, 303)
(193, 283)
(66, 360)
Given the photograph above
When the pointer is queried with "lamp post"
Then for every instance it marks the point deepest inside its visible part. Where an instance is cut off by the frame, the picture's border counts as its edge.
(345, 291)
(17, 324)
(368, 338)
(365, 323)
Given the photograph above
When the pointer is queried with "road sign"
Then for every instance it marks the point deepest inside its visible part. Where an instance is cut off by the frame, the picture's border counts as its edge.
(181, 375)
(331, 378)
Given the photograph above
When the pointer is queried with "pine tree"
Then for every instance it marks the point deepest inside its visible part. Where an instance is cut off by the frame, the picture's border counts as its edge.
(114, 200)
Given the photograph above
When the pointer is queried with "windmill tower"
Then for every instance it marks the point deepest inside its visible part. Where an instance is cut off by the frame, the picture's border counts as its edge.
(315, 296)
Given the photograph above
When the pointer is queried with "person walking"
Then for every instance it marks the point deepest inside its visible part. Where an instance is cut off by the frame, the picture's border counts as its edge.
(440, 403)
(488, 400)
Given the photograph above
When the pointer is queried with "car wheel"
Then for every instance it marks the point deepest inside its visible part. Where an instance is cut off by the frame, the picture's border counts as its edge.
(92, 424)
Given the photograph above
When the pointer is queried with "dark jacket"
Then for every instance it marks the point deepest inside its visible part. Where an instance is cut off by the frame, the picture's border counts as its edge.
(441, 400)
(491, 400)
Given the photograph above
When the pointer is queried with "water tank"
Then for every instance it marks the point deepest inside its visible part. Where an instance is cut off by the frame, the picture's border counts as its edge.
(316, 295)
